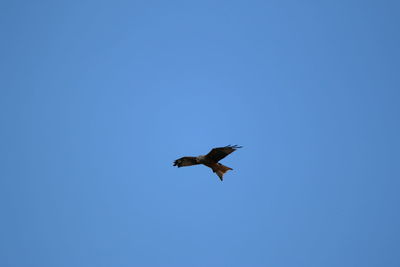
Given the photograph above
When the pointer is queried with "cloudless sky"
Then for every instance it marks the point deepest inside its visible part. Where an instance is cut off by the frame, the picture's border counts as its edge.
(98, 98)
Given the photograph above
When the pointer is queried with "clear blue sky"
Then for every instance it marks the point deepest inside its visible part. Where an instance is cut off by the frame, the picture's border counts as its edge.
(98, 98)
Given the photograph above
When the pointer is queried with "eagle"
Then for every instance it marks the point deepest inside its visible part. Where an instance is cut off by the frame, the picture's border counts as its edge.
(210, 160)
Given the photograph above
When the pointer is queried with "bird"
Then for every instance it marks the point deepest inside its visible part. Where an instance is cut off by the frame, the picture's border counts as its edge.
(210, 160)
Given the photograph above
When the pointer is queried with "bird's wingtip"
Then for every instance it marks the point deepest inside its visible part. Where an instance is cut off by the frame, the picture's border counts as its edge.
(234, 146)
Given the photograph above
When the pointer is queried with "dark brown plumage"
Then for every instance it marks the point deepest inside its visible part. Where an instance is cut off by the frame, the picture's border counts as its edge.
(210, 160)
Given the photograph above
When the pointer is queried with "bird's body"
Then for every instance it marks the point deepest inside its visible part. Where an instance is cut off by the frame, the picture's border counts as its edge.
(210, 160)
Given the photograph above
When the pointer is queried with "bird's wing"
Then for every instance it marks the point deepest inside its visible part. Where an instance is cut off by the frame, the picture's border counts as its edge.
(218, 153)
(185, 161)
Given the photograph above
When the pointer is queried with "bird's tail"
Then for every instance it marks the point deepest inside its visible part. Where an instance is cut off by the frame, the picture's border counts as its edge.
(221, 170)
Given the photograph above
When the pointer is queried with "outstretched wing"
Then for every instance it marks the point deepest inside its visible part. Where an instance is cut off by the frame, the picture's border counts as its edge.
(185, 161)
(218, 153)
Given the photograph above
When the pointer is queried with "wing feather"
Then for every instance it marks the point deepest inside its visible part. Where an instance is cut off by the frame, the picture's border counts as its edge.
(185, 161)
(218, 153)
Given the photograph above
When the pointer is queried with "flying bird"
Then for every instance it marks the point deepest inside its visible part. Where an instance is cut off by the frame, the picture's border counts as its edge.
(210, 160)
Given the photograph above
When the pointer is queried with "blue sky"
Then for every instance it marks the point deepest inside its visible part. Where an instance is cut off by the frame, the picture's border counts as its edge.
(98, 98)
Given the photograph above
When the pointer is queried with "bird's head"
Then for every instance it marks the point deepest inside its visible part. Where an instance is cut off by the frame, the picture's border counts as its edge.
(200, 159)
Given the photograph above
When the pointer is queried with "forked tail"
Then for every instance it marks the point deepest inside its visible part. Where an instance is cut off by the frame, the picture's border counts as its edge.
(222, 169)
